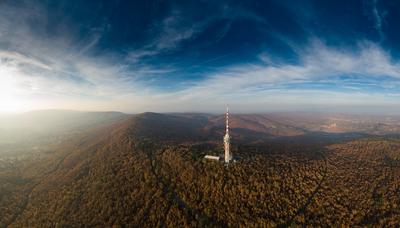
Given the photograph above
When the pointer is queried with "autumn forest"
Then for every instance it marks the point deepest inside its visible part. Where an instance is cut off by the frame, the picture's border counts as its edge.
(126, 173)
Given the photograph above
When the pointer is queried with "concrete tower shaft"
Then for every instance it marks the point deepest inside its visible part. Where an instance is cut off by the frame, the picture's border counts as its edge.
(227, 156)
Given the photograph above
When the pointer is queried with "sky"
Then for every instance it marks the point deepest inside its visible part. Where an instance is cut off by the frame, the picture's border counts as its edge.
(199, 56)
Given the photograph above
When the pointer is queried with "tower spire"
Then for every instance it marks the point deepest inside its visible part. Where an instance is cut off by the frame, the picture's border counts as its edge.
(227, 120)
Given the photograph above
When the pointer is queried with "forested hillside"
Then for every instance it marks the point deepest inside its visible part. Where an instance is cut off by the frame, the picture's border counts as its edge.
(148, 171)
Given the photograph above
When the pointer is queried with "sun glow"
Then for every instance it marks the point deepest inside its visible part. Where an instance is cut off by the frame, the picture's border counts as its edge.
(10, 100)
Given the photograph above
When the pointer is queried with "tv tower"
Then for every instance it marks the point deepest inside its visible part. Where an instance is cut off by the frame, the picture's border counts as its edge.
(227, 139)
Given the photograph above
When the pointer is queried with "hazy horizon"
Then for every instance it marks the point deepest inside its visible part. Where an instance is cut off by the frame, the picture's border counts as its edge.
(234, 110)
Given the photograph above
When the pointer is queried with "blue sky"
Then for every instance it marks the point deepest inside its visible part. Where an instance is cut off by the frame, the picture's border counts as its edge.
(175, 56)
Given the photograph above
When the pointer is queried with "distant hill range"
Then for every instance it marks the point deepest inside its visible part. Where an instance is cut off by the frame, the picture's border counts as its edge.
(192, 126)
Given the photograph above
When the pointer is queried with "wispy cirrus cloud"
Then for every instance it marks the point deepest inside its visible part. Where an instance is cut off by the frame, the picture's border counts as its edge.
(15, 58)
(179, 26)
(59, 69)
(168, 34)
(323, 71)
(377, 15)
(63, 70)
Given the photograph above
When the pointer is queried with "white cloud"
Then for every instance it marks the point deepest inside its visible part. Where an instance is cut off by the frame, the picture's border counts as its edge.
(318, 63)
(169, 34)
(12, 57)
(376, 15)
(55, 73)
(378, 18)
(59, 71)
